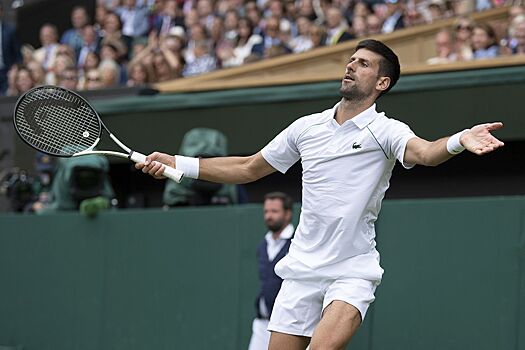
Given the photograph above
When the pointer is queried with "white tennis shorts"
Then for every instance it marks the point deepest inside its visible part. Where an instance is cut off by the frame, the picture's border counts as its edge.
(300, 303)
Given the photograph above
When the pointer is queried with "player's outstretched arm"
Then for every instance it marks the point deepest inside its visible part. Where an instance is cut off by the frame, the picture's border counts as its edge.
(477, 140)
(221, 169)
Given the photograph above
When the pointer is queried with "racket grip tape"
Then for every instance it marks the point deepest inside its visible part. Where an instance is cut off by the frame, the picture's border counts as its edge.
(169, 172)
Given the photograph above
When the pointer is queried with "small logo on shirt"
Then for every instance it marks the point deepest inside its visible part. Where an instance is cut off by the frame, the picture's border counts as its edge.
(356, 145)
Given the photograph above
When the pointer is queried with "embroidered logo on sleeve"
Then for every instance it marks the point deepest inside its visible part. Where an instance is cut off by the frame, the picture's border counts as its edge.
(356, 145)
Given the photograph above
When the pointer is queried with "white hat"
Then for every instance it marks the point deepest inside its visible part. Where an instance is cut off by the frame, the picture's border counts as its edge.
(177, 31)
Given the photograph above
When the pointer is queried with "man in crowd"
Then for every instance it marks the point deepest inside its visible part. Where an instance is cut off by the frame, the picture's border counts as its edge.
(9, 50)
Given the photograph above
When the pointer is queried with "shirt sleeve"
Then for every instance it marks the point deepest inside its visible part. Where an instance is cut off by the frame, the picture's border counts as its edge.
(282, 152)
(399, 134)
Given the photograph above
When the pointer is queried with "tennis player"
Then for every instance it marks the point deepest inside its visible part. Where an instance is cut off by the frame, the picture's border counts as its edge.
(347, 153)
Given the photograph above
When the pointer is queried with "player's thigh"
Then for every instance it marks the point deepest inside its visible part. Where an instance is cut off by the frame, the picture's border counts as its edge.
(338, 325)
(345, 305)
(282, 341)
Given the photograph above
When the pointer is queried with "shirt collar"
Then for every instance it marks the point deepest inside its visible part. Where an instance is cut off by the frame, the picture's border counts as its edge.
(287, 233)
(362, 119)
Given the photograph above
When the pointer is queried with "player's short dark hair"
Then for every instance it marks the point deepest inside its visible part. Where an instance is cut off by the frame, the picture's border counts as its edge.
(389, 64)
(285, 199)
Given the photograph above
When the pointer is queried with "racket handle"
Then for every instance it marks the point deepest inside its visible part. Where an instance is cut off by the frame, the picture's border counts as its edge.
(169, 172)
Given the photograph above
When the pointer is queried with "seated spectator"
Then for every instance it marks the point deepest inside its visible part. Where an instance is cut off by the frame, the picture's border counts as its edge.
(270, 38)
(109, 73)
(484, 42)
(45, 55)
(115, 51)
(244, 42)
(361, 9)
(191, 18)
(275, 8)
(176, 39)
(112, 30)
(101, 12)
(515, 11)
(435, 11)
(90, 43)
(62, 62)
(171, 16)
(394, 18)
(359, 29)
(173, 56)
(285, 35)
(307, 10)
(73, 36)
(374, 24)
(197, 32)
(205, 12)
(217, 34)
(317, 35)
(37, 72)
(204, 61)
(254, 15)
(231, 22)
(516, 39)
(463, 34)
(92, 62)
(23, 81)
(138, 75)
(336, 27)
(135, 20)
(301, 42)
(93, 80)
(444, 48)
(68, 79)
(66, 50)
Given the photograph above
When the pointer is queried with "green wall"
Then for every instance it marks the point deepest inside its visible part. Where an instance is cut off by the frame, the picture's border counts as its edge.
(186, 279)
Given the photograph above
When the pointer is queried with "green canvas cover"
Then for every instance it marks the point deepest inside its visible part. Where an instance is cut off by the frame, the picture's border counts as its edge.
(205, 143)
(61, 197)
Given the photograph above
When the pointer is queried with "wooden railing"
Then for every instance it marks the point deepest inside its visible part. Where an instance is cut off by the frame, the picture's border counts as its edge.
(413, 45)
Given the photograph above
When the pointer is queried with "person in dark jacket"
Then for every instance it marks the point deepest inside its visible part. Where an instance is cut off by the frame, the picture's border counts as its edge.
(277, 217)
(9, 51)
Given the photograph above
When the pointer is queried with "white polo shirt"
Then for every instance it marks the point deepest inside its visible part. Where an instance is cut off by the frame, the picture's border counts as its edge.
(346, 172)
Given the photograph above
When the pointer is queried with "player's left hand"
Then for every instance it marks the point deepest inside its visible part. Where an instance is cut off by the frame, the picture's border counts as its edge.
(479, 140)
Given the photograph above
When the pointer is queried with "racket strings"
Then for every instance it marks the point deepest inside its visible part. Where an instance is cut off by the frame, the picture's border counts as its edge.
(57, 121)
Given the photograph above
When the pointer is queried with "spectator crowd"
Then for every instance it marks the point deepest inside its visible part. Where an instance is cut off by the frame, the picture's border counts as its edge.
(137, 42)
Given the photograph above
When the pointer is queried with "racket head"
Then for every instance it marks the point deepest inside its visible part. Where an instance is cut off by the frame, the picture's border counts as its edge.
(56, 121)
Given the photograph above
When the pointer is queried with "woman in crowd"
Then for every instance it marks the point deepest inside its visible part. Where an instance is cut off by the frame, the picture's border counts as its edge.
(243, 46)
(484, 42)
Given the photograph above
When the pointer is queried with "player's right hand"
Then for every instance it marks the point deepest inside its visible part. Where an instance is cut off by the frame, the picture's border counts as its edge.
(154, 164)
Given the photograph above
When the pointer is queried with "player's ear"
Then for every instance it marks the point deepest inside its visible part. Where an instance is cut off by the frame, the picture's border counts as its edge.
(383, 83)
(289, 215)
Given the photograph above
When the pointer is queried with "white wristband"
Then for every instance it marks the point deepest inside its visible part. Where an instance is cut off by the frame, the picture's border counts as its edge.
(188, 165)
(454, 146)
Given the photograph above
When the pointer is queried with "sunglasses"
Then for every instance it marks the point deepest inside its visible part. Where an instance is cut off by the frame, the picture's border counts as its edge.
(463, 27)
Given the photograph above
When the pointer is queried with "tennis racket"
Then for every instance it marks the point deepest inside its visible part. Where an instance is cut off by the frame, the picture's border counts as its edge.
(62, 123)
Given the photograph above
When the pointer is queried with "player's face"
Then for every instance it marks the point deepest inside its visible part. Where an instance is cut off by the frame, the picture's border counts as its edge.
(361, 77)
(275, 216)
